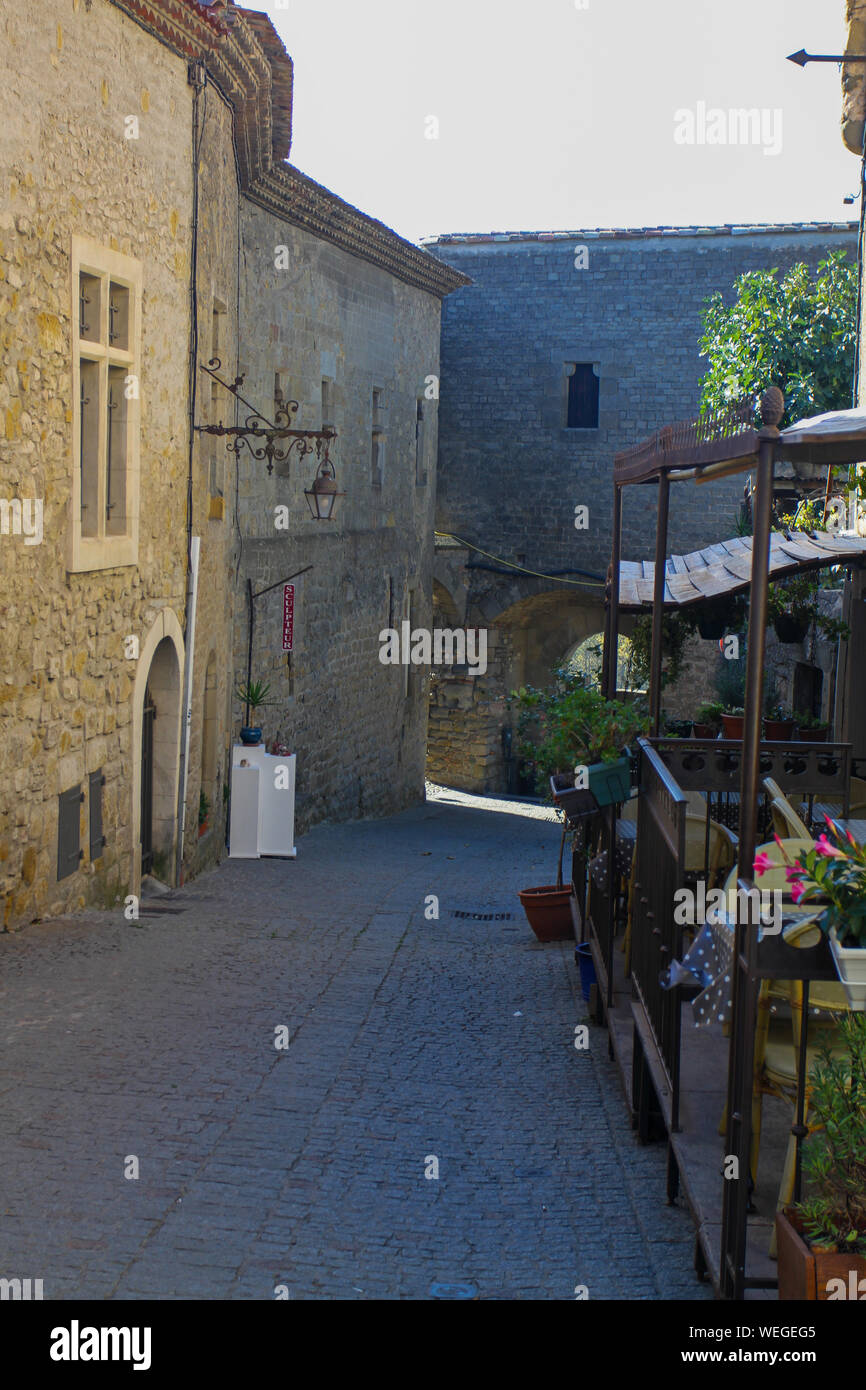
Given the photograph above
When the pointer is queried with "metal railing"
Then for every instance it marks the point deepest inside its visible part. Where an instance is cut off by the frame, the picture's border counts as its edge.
(656, 939)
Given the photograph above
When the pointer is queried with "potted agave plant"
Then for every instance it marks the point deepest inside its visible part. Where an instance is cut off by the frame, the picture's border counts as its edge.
(822, 1239)
(836, 870)
(253, 695)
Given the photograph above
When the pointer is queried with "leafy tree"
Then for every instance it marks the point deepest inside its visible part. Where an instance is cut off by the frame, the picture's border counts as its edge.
(797, 333)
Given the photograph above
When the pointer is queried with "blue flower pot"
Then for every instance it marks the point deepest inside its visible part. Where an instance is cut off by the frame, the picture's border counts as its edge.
(251, 736)
(583, 956)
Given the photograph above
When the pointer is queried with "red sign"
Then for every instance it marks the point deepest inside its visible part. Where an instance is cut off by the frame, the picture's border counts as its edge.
(288, 616)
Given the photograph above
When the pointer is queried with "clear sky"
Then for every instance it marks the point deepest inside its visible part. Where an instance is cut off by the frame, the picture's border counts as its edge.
(558, 114)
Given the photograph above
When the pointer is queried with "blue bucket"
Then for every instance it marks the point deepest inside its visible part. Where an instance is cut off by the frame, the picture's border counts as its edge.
(583, 955)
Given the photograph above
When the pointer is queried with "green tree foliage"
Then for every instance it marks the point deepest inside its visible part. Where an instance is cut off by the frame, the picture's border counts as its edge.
(797, 333)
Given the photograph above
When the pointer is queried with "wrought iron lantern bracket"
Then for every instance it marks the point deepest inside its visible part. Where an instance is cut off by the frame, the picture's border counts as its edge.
(279, 438)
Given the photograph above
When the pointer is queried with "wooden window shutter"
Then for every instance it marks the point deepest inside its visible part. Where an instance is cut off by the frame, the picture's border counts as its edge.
(97, 839)
(69, 851)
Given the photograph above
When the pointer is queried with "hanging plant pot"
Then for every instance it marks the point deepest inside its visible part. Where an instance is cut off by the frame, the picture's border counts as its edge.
(610, 782)
(778, 730)
(733, 725)
(809, 1274)
(717, 616)
(548, 911)
(251, 736)
(790, 629)
(850, 962)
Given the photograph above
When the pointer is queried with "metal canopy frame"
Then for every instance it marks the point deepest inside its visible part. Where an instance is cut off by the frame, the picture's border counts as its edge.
(713, 447)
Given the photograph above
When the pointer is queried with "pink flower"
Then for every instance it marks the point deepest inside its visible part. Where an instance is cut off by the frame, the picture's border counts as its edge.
(763, 862)
(794, 873)
(826, 850)
(797, 890)
(852, 842)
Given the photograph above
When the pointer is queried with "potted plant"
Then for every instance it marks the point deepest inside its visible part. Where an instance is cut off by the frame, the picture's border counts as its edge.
(776, 727)
(836, 870)
(561, 730)
(203, 811)
(811, 730)
(822, 1239)
(732, 721)
(717, 616)
(568, 726)
(792, 607)
(253, 695)
(678, 728)
(708, 719)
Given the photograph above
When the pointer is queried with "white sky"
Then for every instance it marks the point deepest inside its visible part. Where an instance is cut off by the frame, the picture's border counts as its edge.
(553, 116)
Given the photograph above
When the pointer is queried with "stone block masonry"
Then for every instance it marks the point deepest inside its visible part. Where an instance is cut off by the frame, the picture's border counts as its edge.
(626, 305)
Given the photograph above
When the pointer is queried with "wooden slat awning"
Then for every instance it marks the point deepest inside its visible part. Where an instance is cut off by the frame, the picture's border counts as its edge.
(690, 578)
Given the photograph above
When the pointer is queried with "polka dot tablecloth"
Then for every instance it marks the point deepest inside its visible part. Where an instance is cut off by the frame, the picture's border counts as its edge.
(708, 961)
(624, 852)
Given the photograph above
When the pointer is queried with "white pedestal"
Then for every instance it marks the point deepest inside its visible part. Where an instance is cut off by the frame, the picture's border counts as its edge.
(268, 821)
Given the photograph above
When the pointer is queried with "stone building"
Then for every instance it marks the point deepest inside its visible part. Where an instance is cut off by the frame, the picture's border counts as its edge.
(144, 191)
(566, 348)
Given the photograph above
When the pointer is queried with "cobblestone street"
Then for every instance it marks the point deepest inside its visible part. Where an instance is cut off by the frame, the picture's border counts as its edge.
(410, 1039)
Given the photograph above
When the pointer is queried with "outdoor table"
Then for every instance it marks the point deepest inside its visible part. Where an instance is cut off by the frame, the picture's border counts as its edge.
(708, 963)
(626, 838)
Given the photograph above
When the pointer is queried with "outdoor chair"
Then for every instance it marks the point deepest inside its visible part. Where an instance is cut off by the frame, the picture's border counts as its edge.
(715, 860)
(786, 822)
(833, 806)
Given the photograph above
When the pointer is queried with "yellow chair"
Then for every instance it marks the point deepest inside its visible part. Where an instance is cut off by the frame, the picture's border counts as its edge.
(722, 848)
(785, 818)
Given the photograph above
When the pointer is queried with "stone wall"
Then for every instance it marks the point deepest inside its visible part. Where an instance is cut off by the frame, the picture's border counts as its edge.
(70, 79)
(213, 490)
(358, 727)
(511, 474)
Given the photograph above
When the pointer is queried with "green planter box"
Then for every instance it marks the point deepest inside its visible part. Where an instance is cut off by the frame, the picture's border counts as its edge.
(610, 782)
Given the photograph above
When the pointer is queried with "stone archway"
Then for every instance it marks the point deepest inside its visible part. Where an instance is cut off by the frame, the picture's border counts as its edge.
(159, 672)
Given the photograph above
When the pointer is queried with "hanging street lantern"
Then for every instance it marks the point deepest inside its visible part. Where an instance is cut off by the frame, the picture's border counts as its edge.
(322, 496)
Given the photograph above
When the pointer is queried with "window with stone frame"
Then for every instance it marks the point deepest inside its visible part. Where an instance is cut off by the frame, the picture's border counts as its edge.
(377, 448)
(106, 336)
(420, 445)
(581, 397)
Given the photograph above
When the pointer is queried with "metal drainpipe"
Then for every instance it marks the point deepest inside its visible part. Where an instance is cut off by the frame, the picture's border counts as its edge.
(197, 78)
(186, 729)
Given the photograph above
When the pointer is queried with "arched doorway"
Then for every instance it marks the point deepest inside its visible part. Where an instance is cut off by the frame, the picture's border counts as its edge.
(156, 751)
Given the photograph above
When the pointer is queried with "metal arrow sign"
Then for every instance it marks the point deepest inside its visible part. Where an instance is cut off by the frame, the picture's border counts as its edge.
(802, 58)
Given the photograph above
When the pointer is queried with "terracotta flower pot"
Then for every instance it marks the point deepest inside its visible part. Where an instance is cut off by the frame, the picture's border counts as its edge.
(705, 730)
(778, 730)
(813, 735)
(733, 725)
(816, 1276)
(548, 911)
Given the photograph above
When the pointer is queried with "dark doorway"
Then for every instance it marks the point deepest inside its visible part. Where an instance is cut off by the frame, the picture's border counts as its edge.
(148, 716)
